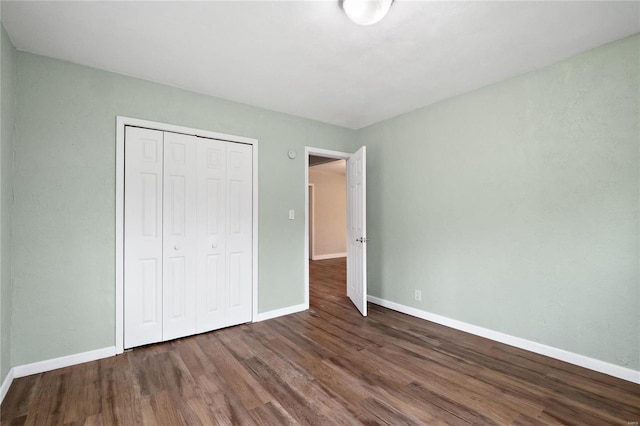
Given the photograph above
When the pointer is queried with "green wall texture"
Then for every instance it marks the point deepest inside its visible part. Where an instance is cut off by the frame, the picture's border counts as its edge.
(515, 207)
(64, 220)
(7, 136)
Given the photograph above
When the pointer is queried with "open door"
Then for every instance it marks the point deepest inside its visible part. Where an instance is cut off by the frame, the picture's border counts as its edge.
(357, 230)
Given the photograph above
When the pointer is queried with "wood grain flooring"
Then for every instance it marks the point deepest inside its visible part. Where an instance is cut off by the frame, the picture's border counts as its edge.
(325, 366)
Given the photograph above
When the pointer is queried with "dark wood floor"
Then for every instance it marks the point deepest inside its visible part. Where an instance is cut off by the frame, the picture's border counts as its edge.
(325, 366)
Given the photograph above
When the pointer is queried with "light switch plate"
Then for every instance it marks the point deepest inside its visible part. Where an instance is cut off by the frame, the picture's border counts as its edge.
(292, 215)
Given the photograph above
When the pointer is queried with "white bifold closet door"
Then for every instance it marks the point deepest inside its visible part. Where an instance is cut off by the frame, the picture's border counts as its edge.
(179, 235)
(188, 235)
(225, 234)
(143, 236)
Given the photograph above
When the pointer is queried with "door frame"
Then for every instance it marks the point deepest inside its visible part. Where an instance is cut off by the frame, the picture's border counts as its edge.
(311, 188)
(121, 122)
(308, 150)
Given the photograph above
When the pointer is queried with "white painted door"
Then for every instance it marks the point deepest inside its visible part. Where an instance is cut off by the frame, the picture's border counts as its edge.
(212, 241)
(179, 235)
(239, 212)
(143, 237)
(357, 230)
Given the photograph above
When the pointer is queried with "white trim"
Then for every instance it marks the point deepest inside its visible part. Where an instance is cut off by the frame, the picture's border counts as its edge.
(53, 364)
(119, 297)
(6, 384)
(121, 122)
(280, 312)
(308, 150)
(560, 354)
(311, 213)
(328, 256)
(63, 361)
(306, 227)
(256, 212)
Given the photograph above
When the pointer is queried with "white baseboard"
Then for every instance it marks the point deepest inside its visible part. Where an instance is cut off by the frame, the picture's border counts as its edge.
(328, 256)
(560, 354)
(66, 361)
(280, 312)
(63, 361)
(6, 384)
(52, 364)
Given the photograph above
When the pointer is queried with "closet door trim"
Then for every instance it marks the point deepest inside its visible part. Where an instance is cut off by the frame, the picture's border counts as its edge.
(121, 124)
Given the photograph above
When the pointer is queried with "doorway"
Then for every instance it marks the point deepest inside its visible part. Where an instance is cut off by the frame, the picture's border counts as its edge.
(327, 208)
(356, 282)
(327, 230)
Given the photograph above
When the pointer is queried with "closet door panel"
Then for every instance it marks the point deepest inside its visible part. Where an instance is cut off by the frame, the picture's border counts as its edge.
(143, 237)
(179, 235)
(239, 233)
(212, 271)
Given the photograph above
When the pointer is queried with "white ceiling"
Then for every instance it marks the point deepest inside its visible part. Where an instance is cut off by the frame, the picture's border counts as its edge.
(307, 59)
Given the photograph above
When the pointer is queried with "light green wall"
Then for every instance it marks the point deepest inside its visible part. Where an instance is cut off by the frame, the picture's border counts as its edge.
(515, 207)
(65, 193)
(7, 135)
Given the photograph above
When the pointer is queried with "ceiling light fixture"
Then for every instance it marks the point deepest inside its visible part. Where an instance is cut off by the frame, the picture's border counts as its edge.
(366, 12)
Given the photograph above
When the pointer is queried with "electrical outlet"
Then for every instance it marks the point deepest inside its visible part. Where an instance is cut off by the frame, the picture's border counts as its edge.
(418, 295)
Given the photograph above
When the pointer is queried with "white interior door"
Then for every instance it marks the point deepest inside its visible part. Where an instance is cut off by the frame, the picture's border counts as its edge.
(357, 230)
(143, 237)
(179, 235)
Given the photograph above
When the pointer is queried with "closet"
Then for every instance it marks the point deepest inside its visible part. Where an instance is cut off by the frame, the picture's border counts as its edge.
(187, 235)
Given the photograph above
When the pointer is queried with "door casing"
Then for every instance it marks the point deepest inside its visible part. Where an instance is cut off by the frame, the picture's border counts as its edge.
(311, 218)
(121, 123)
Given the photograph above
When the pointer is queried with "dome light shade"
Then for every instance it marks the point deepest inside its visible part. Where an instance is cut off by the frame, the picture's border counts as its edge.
(366, 12)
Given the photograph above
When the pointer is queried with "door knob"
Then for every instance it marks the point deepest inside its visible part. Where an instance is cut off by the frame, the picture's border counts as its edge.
(362, 240)
(176, 247)
(214, 246)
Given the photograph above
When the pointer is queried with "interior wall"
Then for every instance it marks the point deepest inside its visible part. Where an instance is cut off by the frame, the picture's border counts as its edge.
(7, 135)
(515, 207)
(330, 209)
(64, 220)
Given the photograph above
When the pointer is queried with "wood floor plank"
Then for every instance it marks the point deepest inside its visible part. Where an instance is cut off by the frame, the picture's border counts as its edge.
(328, 365)
(237, 379)
(463, 388)
(386, 413)
(20, 398)
(303, 411)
